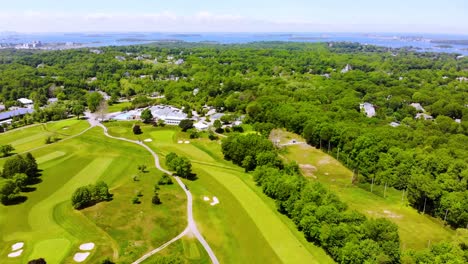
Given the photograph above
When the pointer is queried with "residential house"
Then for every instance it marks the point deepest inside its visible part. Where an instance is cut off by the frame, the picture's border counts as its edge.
(368, 108)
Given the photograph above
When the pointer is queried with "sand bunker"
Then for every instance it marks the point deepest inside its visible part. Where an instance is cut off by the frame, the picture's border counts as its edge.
(80, 257)
(215, 201)
(206, 198)
(15, 254)
(180, 142)
(17, 246)
(186, 142)
(87, 246)
(148, 140)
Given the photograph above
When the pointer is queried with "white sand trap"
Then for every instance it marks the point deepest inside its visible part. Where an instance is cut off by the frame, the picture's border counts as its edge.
(148, 140)
(17, 246)
(215, 201)
(65, 128)
(15, 254)
(80, 257)
(180, 142)
(87, 246)
(186, 142)
(206, 198)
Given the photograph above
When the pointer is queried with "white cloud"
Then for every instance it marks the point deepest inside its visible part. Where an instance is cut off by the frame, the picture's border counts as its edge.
(30, 21)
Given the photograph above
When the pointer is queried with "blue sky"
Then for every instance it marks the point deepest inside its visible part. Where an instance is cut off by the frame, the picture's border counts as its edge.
(425, 16)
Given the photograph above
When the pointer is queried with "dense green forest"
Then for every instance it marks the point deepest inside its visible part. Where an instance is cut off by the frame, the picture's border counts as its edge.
(301, 87)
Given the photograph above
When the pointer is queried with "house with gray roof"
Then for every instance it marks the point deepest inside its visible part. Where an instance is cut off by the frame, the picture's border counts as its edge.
(368, 108)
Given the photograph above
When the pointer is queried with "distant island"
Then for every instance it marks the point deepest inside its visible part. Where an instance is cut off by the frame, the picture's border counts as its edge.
(451, 41)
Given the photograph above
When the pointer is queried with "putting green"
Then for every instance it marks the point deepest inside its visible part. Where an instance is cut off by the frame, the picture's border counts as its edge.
(54, 249)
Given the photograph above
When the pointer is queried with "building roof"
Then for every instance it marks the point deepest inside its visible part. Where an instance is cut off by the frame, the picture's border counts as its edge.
(13, 113)
(167, 112)
(216, 116)
(425, 116)
(52, 100)
(417, 106)
(200, 125)
(368, 108)
(25, 101)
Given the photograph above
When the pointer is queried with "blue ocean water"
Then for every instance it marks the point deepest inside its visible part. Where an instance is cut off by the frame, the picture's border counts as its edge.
(421, 42)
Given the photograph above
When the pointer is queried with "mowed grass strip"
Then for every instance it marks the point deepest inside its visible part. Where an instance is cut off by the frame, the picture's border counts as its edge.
(288, 248)
(230, 230)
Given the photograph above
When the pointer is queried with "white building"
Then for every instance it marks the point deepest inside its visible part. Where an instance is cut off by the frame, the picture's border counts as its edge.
(418, 107)
(200, 125)
(423, 116)
(25, 101)
(170, 115)
(368, 108)
(346, 69)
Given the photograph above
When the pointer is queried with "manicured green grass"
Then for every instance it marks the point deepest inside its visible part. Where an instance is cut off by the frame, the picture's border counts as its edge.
(27, 138)
(415, 229)
(245, 226)
(52, 229)
(117, 107)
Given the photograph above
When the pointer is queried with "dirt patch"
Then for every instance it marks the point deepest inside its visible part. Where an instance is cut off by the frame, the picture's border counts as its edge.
(308, 170)
(385, 214)
(324, 161)
(391, 214)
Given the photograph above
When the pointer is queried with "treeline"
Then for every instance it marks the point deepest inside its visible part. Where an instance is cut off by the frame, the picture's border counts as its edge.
(348, 236)
(250, 151)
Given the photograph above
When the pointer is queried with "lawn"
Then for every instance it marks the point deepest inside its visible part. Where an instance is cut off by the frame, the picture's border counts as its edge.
(52, 229)
(27, 138)
(117, 107)
(245, 226)
(416, 230)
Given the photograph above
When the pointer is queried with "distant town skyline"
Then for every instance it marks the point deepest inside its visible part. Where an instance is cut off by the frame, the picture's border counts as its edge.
(418, 16)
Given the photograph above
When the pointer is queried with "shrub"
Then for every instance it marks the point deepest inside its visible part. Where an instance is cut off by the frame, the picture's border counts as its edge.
(212, 136)
(165, 180)
(137, 130)
(156, 200)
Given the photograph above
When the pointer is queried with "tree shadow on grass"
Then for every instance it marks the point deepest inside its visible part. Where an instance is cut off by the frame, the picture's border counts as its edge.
(191, 177)
(28, 189)
(17, 200)
(34, 181)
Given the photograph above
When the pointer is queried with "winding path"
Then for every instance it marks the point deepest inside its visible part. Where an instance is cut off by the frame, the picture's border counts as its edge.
(191, 226)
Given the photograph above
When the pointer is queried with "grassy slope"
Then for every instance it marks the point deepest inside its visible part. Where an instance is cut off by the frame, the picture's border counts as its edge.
(275, 234)
(24, 139)
(415, 229)
(50, 227)
(117, 107)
